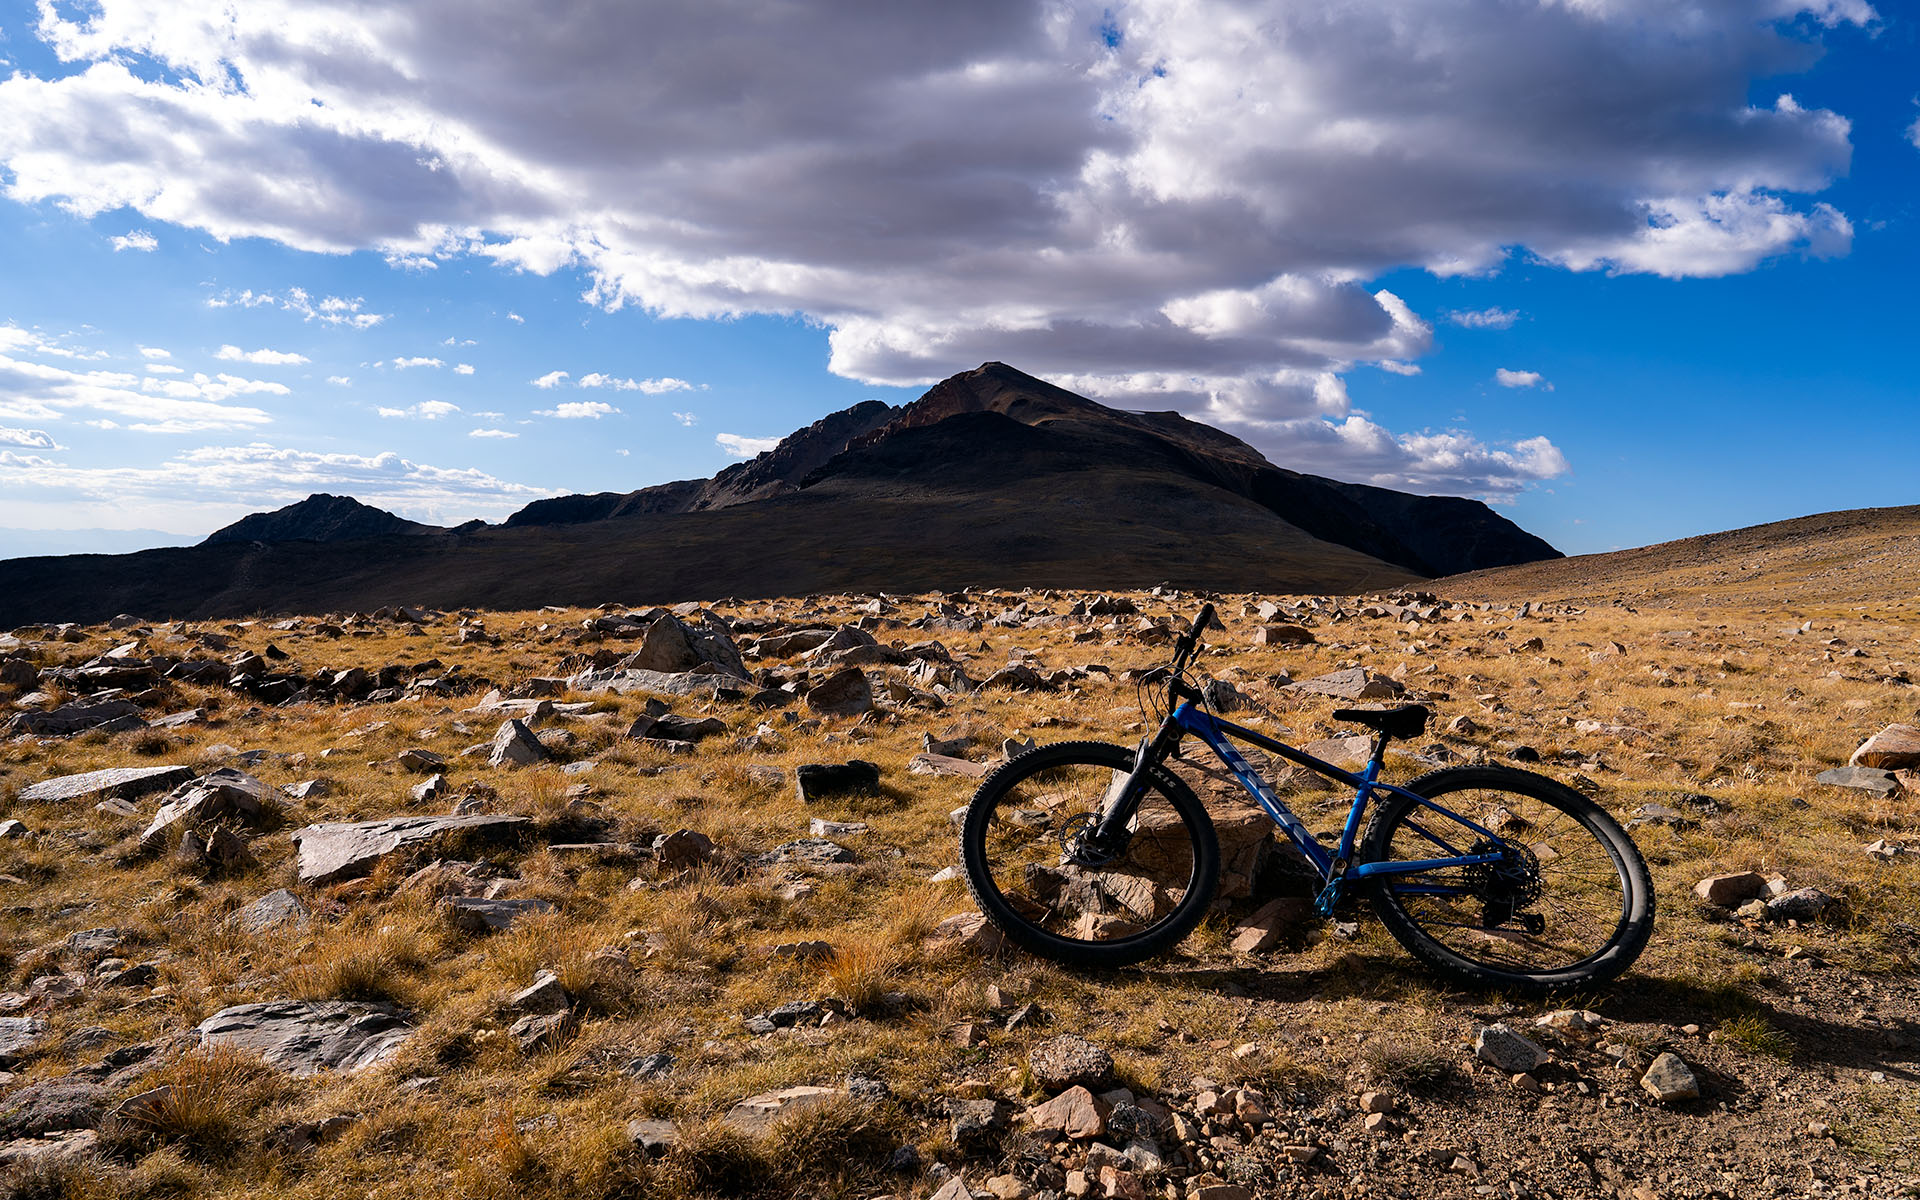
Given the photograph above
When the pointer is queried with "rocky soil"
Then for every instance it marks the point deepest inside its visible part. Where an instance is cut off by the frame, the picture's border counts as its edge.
(617, 902)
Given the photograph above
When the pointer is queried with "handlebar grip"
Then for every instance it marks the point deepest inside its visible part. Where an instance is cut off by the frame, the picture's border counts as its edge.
(1201, 622)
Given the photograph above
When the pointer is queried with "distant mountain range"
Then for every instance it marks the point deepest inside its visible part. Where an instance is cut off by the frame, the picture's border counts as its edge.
(993, 477)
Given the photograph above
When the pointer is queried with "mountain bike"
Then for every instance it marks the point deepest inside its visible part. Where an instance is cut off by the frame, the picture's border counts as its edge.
(1094, 855)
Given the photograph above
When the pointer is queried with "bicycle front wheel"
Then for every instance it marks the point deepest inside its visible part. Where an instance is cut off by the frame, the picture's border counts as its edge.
(1018, 844)
(1572, 907)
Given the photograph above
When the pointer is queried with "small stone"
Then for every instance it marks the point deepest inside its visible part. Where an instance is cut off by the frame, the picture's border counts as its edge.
(846, 693)
(652, 1137)
(820, 781)
(1670, 1080)
(1067, 1061)
(1376, 1102)
(683, 849)
(544, 995)
(1730, 891)
(1074, 1112)
(1271, 923)
(540, 1031)
(1804, 904)
(478, 914)
(1499, 1046)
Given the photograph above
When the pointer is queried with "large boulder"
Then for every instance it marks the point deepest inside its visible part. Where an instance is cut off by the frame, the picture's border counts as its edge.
(1354, 683)
(123, 782)
(218, 795)
(345, 850)
(307, 1037)
(845, 693)
(670, 644)
(1893, 748)
(514, 745)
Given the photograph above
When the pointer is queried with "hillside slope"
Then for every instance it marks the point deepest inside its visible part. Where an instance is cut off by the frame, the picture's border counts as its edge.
(1853, 557)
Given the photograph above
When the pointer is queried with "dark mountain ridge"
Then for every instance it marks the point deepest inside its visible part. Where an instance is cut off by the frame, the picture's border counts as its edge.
(992, 478)
(319, 518)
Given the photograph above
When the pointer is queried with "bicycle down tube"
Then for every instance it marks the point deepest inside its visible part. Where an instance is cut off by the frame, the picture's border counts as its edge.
(1215, 732)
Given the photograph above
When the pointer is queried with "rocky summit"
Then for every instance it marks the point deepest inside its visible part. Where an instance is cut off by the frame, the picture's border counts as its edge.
(627, 901)
(993, 477)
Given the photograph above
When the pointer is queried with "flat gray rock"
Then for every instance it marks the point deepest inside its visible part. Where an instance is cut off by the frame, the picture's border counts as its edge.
(1866, 779)
(346, 850)
(479, 915)
(1355, 683)
(633, 679)
(304, 1038)
(112, 715)
(121, 782)
(275, 910)
(20, 1036)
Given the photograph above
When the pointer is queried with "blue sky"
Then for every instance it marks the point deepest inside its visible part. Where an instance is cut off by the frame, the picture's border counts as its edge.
(1631, 270)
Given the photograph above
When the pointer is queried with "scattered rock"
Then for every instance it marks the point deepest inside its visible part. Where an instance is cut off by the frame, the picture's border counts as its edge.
(1893, 748)
(123, 782)
(477, 914)
(683, 849)
(970, 930)
(336, 851)
(1803, 904)
(651, 1136)
(820, 781)
(1731, 891)
(845, 693)
(1669, 1080)
(1866, 779)
(756, 1114)
(1270, 923)
(306, 1037)
(19, 1037)
(514, 745)
(1354, 683)
(1512, 1053)
(275, 910)
(1074, 1112)
(1069, 1061)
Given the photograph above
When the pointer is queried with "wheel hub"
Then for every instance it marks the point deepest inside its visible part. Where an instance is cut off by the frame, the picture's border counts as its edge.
(1508, 886)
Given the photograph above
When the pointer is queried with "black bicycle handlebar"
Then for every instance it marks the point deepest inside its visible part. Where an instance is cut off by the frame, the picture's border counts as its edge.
(1190, 640)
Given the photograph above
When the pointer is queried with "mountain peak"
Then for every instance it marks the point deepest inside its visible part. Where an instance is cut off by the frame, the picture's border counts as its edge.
(321, 517)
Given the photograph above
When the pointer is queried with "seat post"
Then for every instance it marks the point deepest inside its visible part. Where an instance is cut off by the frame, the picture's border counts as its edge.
(1380, 740)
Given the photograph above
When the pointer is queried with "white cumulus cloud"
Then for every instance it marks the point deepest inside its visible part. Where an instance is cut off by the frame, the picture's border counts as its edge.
(270, 358)
(1173, 199)
(492, 433)
(139, 240)
(1519, 379)
(426, 410)
(575, 410)
(401, 364)
(744, 447)
(463, 369)
(552, 379)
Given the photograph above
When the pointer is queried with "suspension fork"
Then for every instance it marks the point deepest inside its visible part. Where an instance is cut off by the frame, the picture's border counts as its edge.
(1123, 798)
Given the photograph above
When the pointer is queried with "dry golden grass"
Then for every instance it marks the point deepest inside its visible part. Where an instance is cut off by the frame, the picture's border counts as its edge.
(1738, 712)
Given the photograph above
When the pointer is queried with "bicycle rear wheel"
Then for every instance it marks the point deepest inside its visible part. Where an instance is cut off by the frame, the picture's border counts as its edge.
(1573, 906)
(1021, 832)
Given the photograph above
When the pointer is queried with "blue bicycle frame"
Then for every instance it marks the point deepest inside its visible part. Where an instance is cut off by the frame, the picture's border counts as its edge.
(1336, 867)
